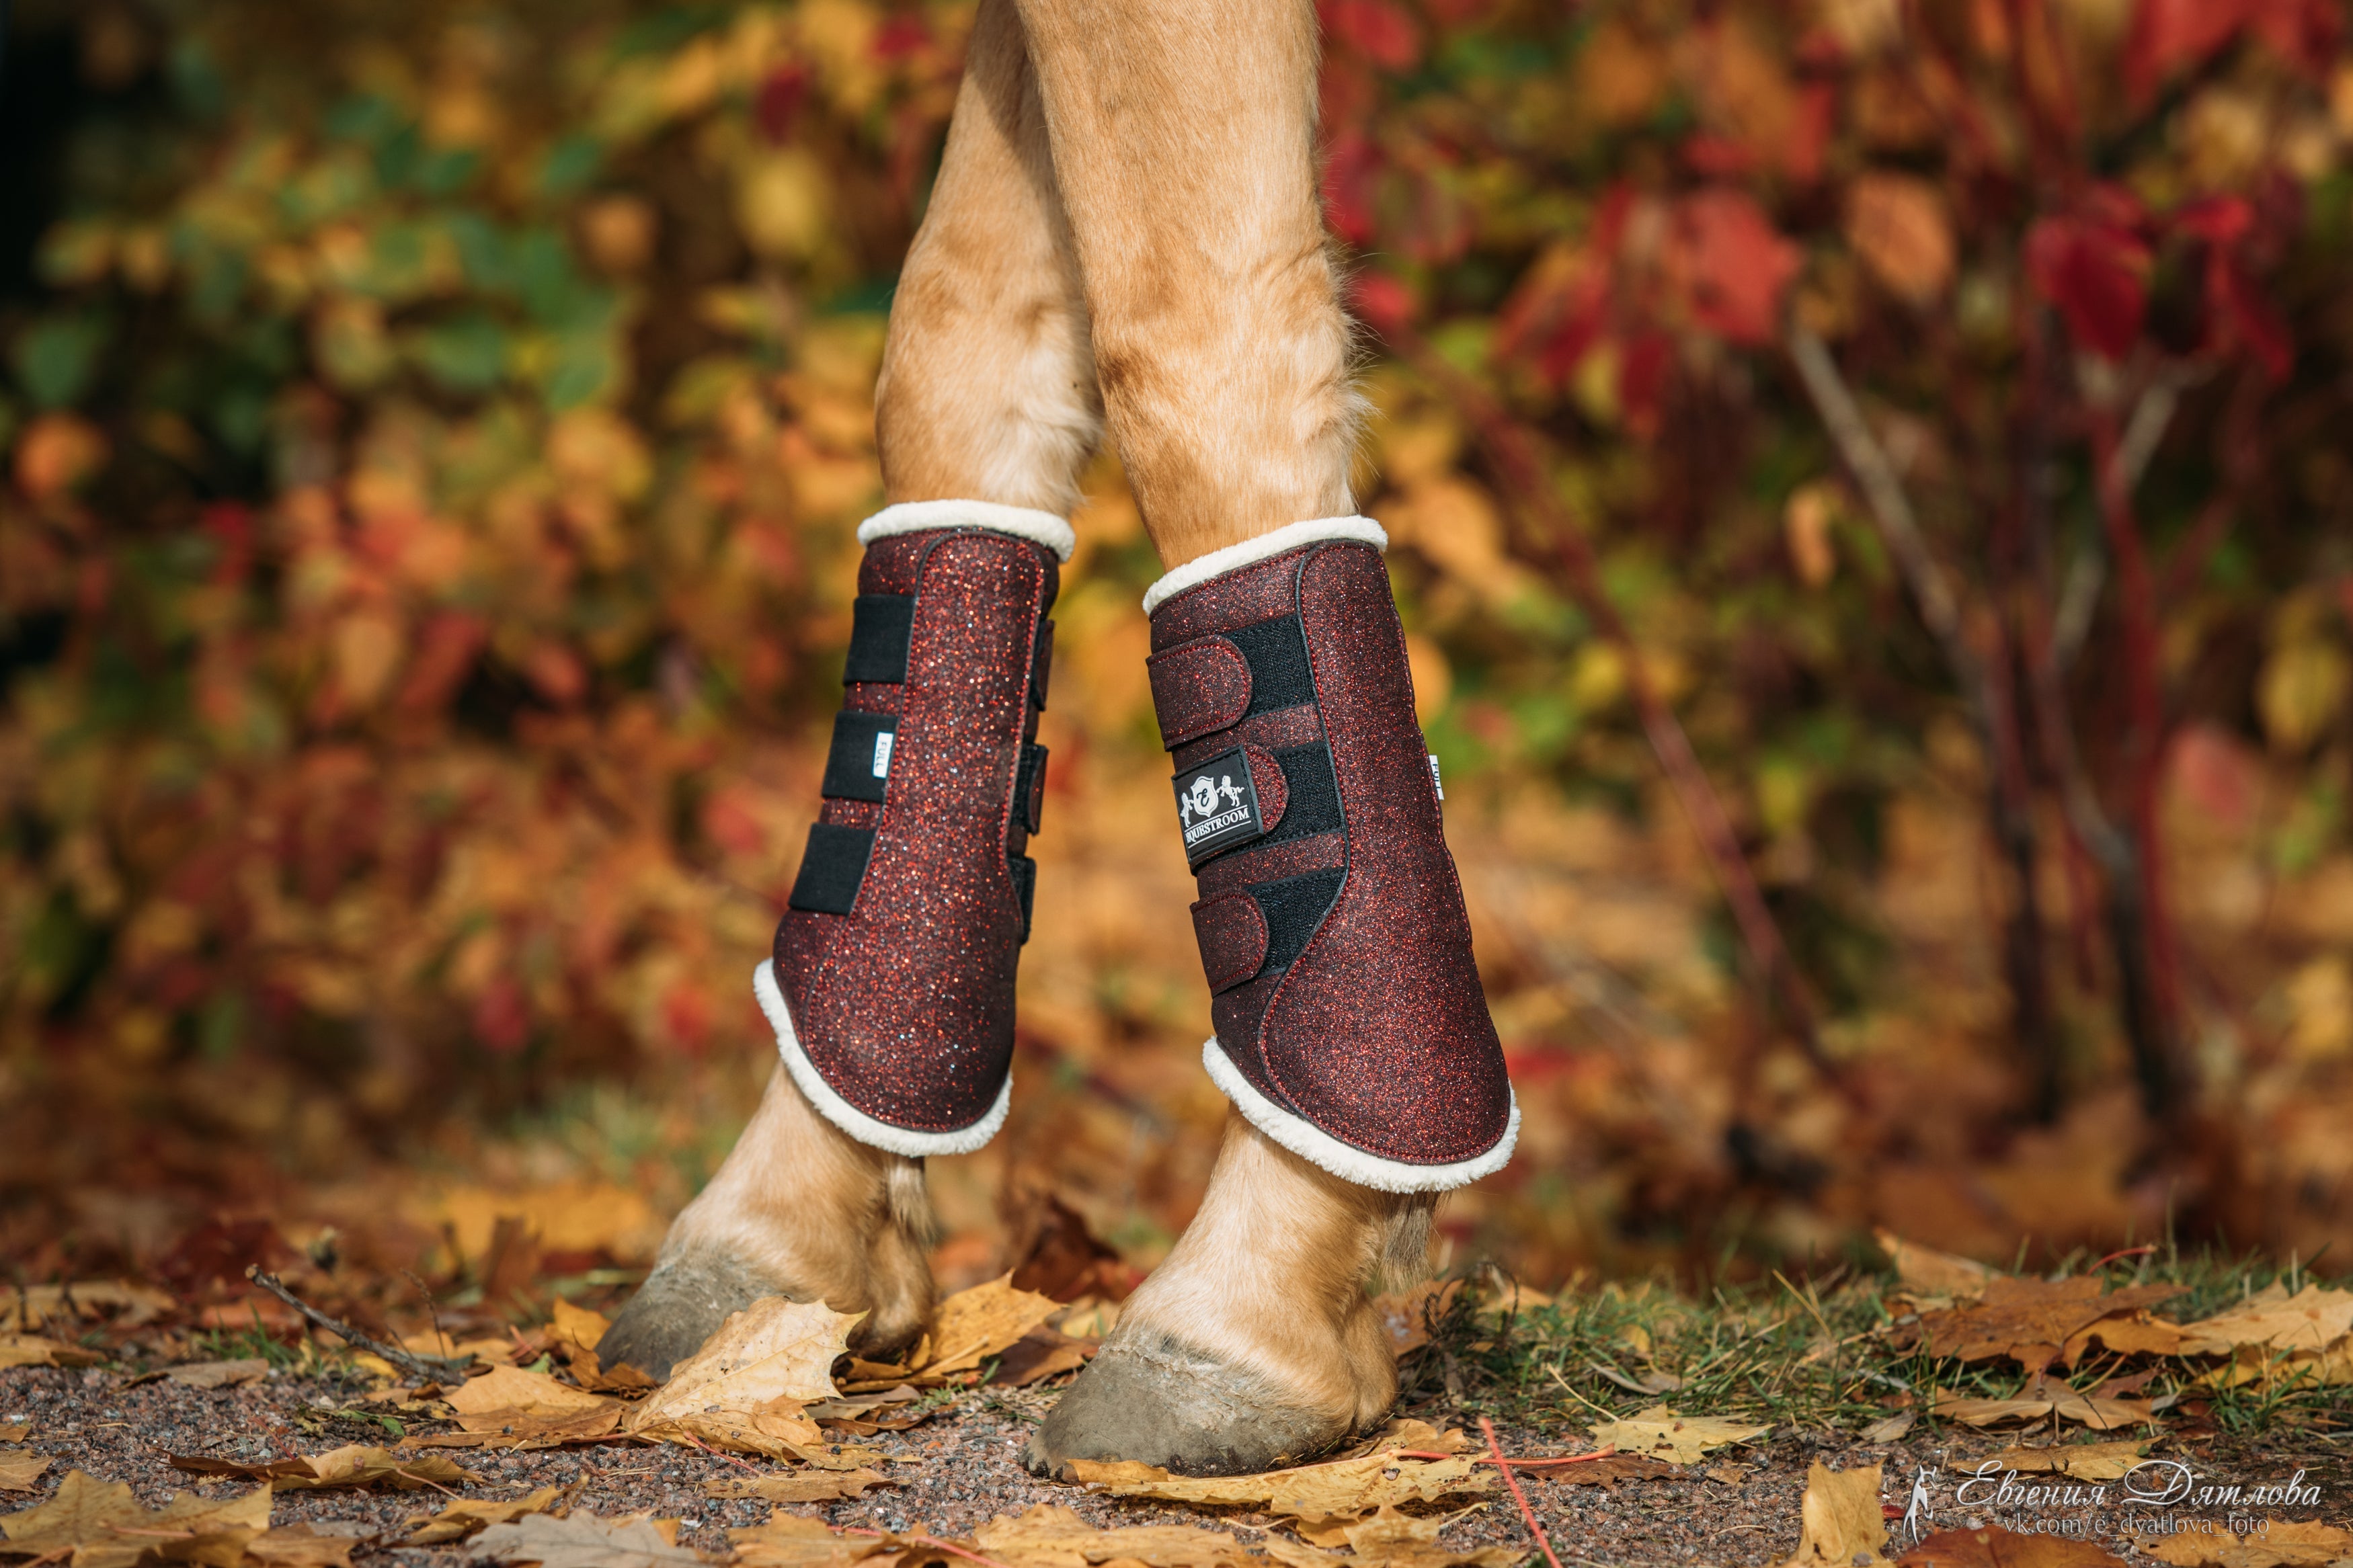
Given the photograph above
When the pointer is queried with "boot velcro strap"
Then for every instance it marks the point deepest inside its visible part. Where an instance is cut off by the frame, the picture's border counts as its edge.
(1025, 885)
(881, 626)
(858, 766)
(1029, 787)
(832, 866)
(1041, 665)
(1199, 688)
(1232, 933)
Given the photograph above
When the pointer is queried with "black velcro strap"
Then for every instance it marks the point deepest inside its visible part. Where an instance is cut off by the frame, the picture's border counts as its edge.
(858, 764)
(1281, 676)
(1029, 787)
(1217, 805)
(1041, 665)
(1313, 794)
(879, 628)
(1294, 908)
(832, 866)
(1025, 885)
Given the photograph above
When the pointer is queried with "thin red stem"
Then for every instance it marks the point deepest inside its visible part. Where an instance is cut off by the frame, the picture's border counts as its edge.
(2127, 1252)
(1513, 1481)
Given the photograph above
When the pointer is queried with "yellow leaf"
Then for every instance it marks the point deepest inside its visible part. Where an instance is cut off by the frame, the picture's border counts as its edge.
(103, 1525)
(1340, 1488)
(20, 1471)
(781, 201)
(1841, 1520)
(985, 1320)
(1661, 1434)
(801, 1486)
(2284, 1544)
(464, 1516)
(2313, 1319)
(2083, 1461)
(1052, 1537)
(299, 1546)
(2301, 690)
(775, 1348)
(514, 1388)
(786, 1541)
(1896, 224)
(1927, 1272)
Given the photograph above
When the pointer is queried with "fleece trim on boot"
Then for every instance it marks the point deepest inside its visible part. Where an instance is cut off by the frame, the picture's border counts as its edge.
(922, 516)
(847, 1117)
(1291, 536)
(1317, 1147)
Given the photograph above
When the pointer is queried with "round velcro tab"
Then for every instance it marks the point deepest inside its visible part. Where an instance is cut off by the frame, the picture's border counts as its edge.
(1199, 688)
(1231, 931)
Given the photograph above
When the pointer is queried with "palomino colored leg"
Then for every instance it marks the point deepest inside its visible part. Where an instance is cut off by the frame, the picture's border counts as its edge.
(987, 396)
(1183, 145)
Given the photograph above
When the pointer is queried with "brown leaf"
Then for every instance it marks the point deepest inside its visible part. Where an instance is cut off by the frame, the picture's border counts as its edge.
(2311, 1320)
(2284, 1545)
(1052, 1537)
(2136, 1333)
(1042, 1354)
(2083, 1461)
(298, 1546)
(2017, 1314)
(1896, 223)
(837, 1456)
(118, 1301)
(1927, 1272)
(786, 1541)
(103, 1525)
(1839, 1519)
(1337, 1489)
(20, 1471)
(1605, 1471)
(1994, 1547)
(528, 1428)
(774, 1350)
(355, 1464)
(15, 1431)
(985, 1320)
(464, 1516)
(219, 1374)
(1889, 1428)
(582, 1540)
(800, 1486)
(2085, 1410)
(504, 1388)
(1662, 1434)
(38, 1350)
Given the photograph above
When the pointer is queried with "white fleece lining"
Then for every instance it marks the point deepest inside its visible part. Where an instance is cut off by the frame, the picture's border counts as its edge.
(922, 516)
(847, 1117)
(1290, 536)
(1313, 1144)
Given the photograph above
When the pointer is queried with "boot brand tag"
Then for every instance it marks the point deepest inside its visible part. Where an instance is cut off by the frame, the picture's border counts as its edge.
(1217, 805)
(882, 738)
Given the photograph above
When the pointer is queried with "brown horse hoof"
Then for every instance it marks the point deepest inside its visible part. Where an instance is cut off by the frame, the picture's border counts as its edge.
(682, 1304)
(1160, 1402)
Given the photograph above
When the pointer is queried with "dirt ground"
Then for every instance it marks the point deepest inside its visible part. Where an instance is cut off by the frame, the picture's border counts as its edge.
(1739, 1507)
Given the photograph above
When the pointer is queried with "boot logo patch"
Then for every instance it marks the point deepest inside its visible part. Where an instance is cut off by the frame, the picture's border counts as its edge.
(1217, 805)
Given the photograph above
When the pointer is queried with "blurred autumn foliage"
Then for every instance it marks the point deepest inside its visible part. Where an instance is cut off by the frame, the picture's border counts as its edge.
(1872, 508)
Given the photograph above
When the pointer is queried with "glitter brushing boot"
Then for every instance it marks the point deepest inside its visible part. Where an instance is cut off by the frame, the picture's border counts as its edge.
(892, 985)
(1351, 1028)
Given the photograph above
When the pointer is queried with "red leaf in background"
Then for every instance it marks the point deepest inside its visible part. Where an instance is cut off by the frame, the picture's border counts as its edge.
(1642, 365)
(1381, 301)
(231, 524)
(688, 1016)
(2218, 220)
(1383, 32)
(900, 35)
(1352, 172)
(1732, 263)
(2171, 35)
(777, 106)
(2097, 274)
(1811, 139)
(445, 650)
(502, 1016)
(2305, 33)
(2242, 316)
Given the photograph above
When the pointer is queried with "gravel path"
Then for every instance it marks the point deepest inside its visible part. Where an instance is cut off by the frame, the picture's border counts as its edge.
(1738, 1507)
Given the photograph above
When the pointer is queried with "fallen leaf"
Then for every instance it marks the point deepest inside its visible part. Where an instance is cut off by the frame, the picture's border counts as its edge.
(1606, 1471)
(38, 1350)
(20, 1471)
(1052, 1536)
(1839, 1520)
(1337, 1489)
(2083, 1461)
(2015, 1315)
(298, 1546)
(1889, 1428)
(774, 1349)
(119, 1301)
(800, 1486)
(355, 1464)
(2311, 1320)
(103, 1525)
(1662, 1434)
(582, 1540)
(786, 1541)
(1040, 1354)
(2084, 1410)
(2283, 1545)
(528, 1429)
(514, 1388)
(2136, 1333)
(1404, 1431)
(837, 1456)
(985, 1320)
(571, 1329)
(219, 1374)
(1994, 1547)
(464, 1516)
(509, 1406)
(15, 1431)
(1393, 1539)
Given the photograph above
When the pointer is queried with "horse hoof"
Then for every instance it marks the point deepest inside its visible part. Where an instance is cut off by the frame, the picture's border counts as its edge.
(682, 1304)
(1160, 1402)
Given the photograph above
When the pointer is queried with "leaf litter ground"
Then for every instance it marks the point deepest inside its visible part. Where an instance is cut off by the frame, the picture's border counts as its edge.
(1740, 1431)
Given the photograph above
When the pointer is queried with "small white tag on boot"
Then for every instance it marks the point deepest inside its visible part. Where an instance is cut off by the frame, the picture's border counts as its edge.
(882, 738)
(1436, 783)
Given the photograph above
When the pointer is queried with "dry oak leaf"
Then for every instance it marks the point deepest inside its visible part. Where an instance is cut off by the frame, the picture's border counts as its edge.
(2099, 1414)
(800, 1486)
(299, 1546)
(509, 1406)
(1052, 1536)
(1338, 1488)
(103, 1525)
(1924, 1271)
(2135, 1334)
(582, 1540)
(355, 1465)
(985, 1320)
(20, 1471)
(218, 1374)
(466, 1515)
(1839, 1520)
(1661, 1434)
(786, 1541)
(2284, 1546)
(2079, 1461)
(2027, 1318)
(1996, 1548)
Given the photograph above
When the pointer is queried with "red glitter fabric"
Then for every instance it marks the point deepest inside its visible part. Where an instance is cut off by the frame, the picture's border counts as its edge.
(1363, 1014)
(904, 1005)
